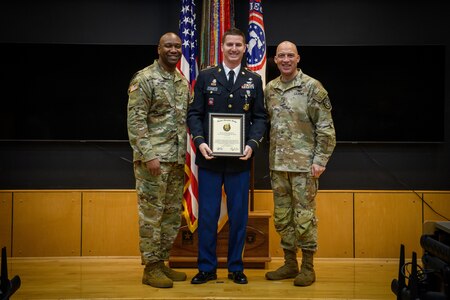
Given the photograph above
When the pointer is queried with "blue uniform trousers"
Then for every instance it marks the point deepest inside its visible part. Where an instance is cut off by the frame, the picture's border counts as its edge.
(236, 187)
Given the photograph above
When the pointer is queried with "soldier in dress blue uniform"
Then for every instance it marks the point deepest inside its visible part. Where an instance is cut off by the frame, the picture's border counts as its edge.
(214, 94)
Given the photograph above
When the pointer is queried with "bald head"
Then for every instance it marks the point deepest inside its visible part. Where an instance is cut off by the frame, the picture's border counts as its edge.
(287, 45)
(168, 36)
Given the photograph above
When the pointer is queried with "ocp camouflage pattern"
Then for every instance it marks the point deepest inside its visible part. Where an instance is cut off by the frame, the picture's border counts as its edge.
(160, 206)
(295, 209)
(301, 125)
(157, 107)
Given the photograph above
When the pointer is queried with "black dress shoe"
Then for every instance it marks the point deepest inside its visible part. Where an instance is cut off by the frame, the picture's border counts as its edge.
(203, 277)
(238, 277)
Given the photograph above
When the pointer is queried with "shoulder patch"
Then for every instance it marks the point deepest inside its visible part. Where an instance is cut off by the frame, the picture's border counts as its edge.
(319, 95)
(133, 87)
(326, 102)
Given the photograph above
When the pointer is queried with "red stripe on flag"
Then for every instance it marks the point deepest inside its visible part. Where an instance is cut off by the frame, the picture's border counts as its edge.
(188, 67)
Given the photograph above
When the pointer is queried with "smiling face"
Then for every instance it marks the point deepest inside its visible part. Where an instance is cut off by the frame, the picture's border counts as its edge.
(287, 59)
(169, 51)
(233, 49)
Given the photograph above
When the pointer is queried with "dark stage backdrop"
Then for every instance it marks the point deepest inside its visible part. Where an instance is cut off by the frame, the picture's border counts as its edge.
(78, 91)
(316, 25)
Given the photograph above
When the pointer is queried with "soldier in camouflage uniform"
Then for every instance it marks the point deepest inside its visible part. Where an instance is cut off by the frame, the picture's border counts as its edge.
(157, 107)
(302, 139)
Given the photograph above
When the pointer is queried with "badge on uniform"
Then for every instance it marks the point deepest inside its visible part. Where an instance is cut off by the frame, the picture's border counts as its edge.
(212, 88)
(246, 105)
(211, 101)
(249, 85)
(327, 103)
(133, 87)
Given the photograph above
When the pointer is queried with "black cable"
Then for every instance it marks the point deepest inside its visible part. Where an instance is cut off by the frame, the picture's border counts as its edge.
(421, 273)
(407, 187)
(112, 154)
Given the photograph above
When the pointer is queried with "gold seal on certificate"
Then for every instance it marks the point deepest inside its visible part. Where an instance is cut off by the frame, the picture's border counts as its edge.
(226, 134)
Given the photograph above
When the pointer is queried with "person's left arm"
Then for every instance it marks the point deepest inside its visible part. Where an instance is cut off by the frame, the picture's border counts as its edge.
(325, 136)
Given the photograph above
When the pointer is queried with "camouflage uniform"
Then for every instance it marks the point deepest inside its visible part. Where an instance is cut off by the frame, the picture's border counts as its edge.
(157, 108)
(301, 133)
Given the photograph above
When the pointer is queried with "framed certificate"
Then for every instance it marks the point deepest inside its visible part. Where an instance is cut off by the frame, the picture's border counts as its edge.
(226, 134)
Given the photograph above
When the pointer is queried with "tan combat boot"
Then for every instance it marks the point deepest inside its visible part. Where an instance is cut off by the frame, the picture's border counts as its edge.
(155, 277)
(307, 275)
(288, 270)
(172, 274)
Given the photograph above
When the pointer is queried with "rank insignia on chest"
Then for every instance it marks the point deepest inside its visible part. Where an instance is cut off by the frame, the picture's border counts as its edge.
(211, 101)
(246, 106)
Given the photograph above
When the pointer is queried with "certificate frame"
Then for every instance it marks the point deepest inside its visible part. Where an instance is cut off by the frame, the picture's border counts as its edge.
(226, 134)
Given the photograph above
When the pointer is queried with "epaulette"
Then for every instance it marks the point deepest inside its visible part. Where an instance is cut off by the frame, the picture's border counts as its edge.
(251, 71)
(209, 67)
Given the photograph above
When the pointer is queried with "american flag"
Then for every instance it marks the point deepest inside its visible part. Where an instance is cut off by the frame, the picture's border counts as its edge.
(256, 49)
(188, 34)
(189, 68)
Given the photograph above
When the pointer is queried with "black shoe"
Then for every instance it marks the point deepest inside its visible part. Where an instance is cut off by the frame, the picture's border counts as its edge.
(238, 277)
(203, 277)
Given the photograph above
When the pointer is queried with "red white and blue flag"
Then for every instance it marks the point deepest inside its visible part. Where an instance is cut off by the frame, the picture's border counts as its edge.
(188, 34)
(189, 68)
(256, 47)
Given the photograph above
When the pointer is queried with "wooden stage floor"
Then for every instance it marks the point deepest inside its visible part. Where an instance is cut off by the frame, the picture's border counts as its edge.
(120, 278)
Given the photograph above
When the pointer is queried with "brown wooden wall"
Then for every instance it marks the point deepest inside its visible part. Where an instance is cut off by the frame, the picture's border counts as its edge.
(352, 224)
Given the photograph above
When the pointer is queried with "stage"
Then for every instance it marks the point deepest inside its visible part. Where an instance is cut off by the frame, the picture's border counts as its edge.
(120, 278)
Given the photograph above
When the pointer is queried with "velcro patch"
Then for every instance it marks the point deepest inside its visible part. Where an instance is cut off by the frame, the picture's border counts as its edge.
(319, 95)
(133, 87)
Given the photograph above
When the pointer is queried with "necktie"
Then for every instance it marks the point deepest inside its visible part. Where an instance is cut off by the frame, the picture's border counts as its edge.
(230, 79)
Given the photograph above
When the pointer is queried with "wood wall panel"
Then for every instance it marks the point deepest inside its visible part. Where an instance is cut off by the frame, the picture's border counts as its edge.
(73, 223)
(335, 224)
(385, 220)
(440, 202)
(335, 215)
(6, 221)
(46, 224)
(264, 202)
(110, 224)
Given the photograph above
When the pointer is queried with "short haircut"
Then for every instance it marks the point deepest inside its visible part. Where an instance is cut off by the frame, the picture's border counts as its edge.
(233, 31)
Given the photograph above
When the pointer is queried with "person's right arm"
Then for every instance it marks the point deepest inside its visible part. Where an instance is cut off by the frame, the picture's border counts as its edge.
(139, 101)
(195, 117)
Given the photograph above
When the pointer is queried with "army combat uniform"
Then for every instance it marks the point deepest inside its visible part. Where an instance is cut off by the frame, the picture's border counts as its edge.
(157, 108)
(302, 133)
